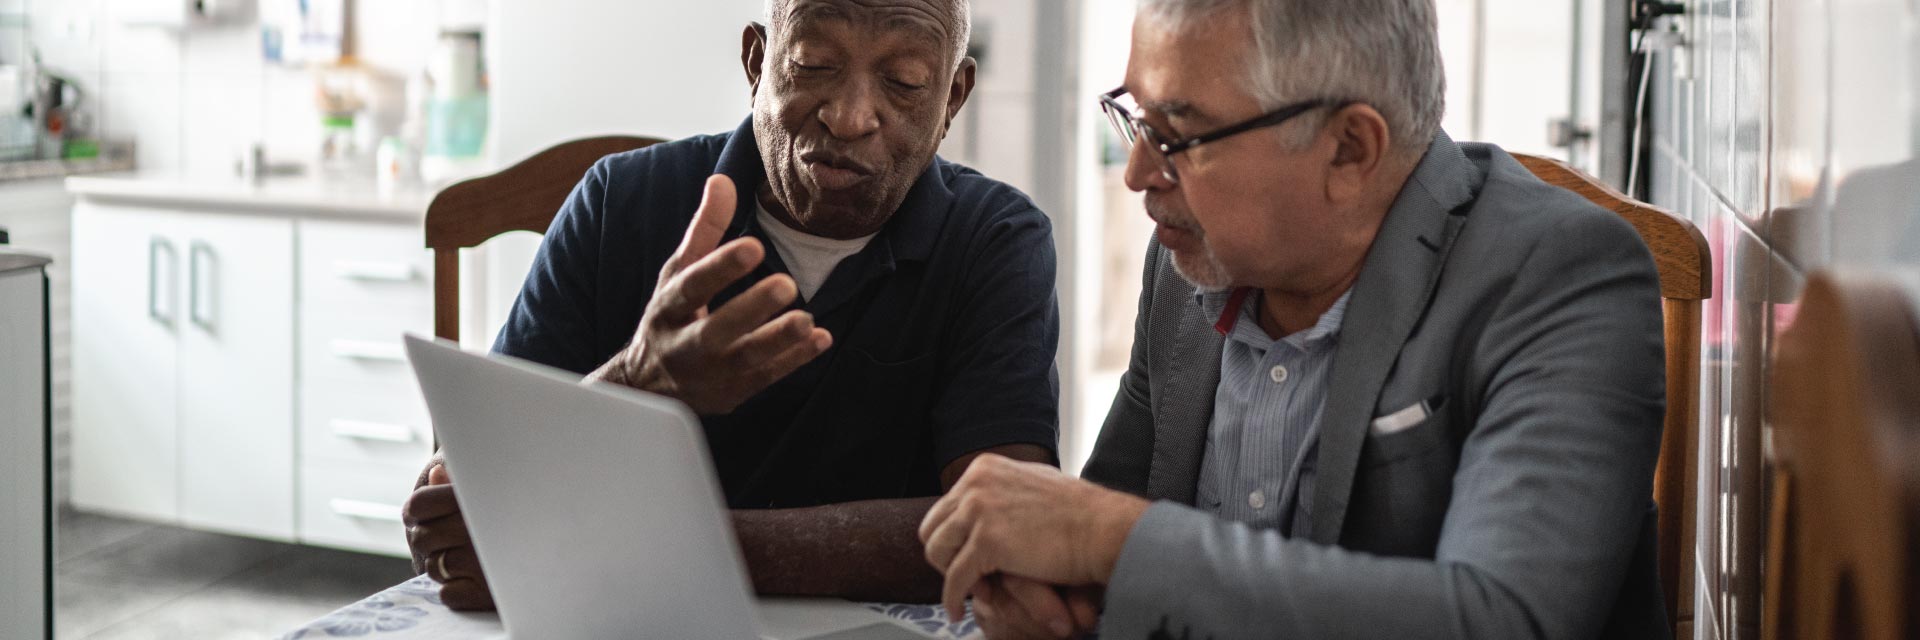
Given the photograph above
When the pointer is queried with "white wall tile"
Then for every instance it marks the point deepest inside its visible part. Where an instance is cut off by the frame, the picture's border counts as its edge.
(1797, 123)
(220, 114)
(1528, 84)
(1751, 105)
(145, 108)
(191, 97)
(1872, 79)
(139, 49)
(1718, 128)
(1003, 143)
(222, 49)
(563, 69)
(1456, 26)
(1802, 125)
(395, 36)
(290, 121)
(67, 37)
(1007, 28)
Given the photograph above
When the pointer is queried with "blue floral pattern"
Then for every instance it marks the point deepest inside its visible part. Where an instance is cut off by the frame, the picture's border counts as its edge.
(930, 619)
(413, 609)
(396, 609)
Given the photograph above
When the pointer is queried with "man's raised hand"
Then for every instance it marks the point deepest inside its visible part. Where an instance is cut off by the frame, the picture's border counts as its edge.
(713, 360)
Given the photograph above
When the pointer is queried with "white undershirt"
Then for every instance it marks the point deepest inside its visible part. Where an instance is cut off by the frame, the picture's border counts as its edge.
(809, 258)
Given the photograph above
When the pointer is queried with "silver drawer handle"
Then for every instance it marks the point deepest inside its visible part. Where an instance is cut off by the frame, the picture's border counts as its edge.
(372, 431)
(155, 247)
(202, 309)
(374, 271)
(364, 510)
(368, 350)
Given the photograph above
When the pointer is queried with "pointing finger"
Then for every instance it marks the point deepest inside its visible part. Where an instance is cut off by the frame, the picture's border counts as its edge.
(709, 224)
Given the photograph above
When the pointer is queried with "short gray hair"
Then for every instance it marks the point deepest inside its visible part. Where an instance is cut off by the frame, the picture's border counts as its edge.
(1384, 53)
(962, 16)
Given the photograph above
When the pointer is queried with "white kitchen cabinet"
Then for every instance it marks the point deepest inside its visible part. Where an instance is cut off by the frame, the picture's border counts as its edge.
(238, 358)
(126, 315)
(362, 287)
(183, 372)
(364, 431)
(236, 374)
(355, 505)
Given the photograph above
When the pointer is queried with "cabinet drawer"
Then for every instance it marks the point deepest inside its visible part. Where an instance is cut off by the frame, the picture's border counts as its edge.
(359, 399)
(355, 506)
(367, 420)
(364, 264)
(380, 320)
(360, 347)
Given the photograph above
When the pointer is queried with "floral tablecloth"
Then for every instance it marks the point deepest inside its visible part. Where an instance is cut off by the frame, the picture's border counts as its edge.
(412, 609)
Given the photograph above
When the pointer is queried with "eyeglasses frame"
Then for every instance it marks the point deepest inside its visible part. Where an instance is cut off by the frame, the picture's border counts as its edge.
(1136, 127)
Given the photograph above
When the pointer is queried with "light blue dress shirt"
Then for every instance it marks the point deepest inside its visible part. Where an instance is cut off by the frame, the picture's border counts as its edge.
(1266, 413)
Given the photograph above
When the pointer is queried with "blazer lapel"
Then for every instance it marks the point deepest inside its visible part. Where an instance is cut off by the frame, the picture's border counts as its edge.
(1389, 298)
(1184, 411)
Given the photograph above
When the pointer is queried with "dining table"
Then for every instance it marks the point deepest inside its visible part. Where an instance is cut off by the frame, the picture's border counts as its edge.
(413, 609)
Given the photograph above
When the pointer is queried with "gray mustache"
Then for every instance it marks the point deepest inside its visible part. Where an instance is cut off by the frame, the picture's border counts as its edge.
(1161, 215)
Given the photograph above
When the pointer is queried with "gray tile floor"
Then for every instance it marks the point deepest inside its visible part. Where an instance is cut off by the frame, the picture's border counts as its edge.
(116, 579)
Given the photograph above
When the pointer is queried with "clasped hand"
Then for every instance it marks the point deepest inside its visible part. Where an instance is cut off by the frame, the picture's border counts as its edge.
(1032, 545)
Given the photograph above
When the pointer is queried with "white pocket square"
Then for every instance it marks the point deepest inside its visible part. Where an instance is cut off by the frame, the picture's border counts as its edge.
(1403, 419)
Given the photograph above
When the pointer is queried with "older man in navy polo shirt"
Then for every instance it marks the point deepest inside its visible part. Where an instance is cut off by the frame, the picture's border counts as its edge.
(902, 322)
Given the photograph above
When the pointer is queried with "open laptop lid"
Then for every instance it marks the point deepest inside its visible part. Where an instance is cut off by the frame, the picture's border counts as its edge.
(593, 508)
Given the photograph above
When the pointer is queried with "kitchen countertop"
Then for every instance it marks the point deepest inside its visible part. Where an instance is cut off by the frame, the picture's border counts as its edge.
(115, 156)
(15, 260)
(20, 170)
(304, 195)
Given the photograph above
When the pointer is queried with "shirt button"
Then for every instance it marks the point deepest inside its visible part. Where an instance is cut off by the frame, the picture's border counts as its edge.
(1278, 373)
(1257, 499)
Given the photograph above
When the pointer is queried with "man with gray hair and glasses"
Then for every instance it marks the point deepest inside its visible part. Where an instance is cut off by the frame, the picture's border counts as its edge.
(1383, 384)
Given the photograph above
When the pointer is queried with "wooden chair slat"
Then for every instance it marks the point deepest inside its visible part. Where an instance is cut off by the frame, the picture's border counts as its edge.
(523, 197)
(1678, 247)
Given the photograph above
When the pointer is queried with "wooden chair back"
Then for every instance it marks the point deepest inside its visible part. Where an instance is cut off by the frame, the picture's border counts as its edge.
(523, 197)
(1686, 279)
(1843, 543)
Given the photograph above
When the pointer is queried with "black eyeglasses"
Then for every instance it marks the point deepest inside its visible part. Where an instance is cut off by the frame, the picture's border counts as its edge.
(1132, 129)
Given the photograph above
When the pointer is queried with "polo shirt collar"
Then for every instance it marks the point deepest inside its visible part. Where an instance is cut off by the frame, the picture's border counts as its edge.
(910, 234)
(740, 161)
(916, 226)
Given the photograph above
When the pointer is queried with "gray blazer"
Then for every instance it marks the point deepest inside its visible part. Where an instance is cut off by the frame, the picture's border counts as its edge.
(1521, 507)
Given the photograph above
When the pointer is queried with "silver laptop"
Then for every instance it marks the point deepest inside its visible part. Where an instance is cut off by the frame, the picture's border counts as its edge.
(595, 510)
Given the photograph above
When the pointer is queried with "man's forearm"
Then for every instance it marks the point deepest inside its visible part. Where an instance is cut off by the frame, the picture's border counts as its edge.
(857, 550)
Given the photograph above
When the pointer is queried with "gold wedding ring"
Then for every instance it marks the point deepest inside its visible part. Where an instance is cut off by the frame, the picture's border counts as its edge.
(440, 565)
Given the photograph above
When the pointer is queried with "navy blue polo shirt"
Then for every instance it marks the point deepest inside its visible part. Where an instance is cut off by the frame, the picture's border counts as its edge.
(944, 326)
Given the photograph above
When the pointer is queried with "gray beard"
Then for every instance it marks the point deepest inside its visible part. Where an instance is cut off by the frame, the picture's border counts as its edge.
(1204, 271)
